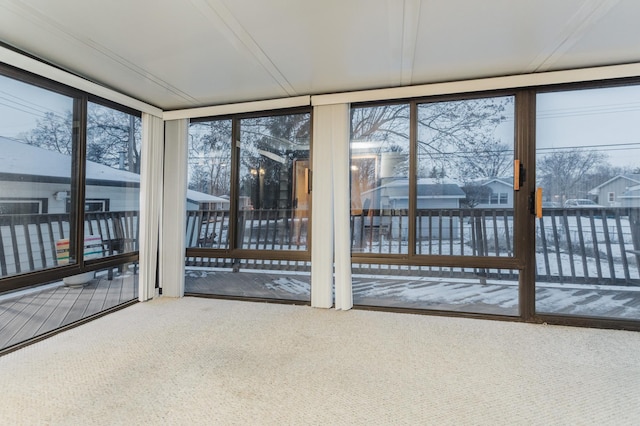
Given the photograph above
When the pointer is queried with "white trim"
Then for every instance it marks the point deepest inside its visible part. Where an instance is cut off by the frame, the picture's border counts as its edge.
(212, 111)
(482, 84)
(26, 63)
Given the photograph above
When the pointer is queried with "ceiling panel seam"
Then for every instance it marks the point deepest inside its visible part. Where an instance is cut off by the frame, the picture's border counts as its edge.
(52, 26)
(411, 23)
(224, 21)
(587, 15)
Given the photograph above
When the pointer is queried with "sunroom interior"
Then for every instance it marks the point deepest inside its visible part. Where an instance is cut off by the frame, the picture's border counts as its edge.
(473, 159)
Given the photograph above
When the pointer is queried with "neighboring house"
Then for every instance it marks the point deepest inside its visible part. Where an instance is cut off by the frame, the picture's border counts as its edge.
(631, 197)
(500, 193)
(431, 193)
(201, 201)
(36, 180)
(436, 194)
(612, 192)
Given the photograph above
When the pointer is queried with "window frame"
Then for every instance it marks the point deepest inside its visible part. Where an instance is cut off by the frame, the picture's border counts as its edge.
(412, 258)
(78, 179)
(234, 252)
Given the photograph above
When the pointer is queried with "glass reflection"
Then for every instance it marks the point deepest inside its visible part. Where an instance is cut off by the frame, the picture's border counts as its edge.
(36, 139)
(274, 182)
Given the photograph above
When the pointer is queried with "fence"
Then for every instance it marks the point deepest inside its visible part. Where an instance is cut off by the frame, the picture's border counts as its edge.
(28, 241)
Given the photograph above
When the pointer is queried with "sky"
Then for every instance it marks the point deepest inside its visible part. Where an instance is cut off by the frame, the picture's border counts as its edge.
(606, 120)
(22, 104)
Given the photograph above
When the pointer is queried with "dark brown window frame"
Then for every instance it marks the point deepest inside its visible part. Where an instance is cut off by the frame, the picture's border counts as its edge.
(80, 102)
(524, 235)
(238, 253)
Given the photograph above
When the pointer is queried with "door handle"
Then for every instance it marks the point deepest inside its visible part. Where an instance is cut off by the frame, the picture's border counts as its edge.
(518, 175)
(539, 203)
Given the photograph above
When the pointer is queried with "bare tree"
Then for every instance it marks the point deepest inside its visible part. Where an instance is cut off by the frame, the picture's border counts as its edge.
(564, 173)
(52, 132)
(461, 138)
(113, 137)
(210, 157)
(457, 138)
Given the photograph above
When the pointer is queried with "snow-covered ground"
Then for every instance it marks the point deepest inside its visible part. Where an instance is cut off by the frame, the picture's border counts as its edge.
(457, 294)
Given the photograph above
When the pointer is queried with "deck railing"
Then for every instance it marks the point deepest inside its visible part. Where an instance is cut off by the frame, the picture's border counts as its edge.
(572, 245)
(258, 230)
(28, 241)
(267, 230)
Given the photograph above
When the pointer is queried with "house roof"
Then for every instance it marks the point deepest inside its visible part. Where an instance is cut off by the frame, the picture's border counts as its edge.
(508, 181)
(201, 197)
(634, 178)
(426, 188)
(631, 192)
(19, 160)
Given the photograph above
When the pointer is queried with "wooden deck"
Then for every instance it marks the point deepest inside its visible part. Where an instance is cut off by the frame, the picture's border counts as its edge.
(28, 314)
(492, 297)
(25, 316)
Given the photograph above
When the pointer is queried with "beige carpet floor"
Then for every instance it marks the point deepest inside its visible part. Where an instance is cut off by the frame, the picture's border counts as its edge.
(212, 362)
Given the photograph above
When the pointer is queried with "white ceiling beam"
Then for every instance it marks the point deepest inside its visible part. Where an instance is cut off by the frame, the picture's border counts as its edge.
(64, 31)
(411, 23)
(242, 107)
(481, 85)
(586, 16)
(223, 20)
(34, 66)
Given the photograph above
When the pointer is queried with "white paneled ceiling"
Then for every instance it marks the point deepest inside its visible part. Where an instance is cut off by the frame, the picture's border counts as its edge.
(190, 53)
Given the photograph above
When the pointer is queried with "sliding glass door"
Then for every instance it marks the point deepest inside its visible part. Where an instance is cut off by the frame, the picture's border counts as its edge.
(248, 206)
(433, 218)
(588, 237)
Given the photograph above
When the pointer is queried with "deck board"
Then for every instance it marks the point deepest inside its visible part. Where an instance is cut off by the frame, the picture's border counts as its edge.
(57, 317)
(39, 319)
(40, 311)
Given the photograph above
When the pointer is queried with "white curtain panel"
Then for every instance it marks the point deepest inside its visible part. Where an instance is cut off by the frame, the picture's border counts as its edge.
(174, 208)
(330, 203)
(151, 171)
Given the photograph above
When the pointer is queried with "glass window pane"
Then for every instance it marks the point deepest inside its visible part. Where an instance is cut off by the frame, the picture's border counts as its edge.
(32, 312)
(255, 278)
(465, 177)
(209, 184)
(588, 240)
(273, 182)
(36, 168)
(380, 179)
(112, 179)
(477, 290)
